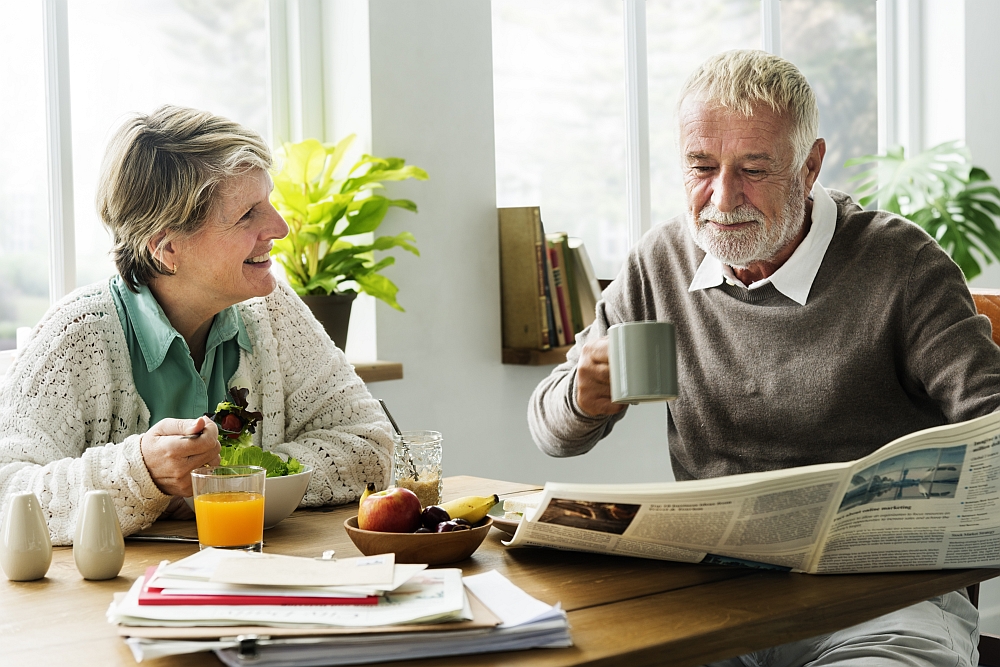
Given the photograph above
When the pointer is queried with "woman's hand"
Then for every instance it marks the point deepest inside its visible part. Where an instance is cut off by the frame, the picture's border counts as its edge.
(593, 380)
(170, 456)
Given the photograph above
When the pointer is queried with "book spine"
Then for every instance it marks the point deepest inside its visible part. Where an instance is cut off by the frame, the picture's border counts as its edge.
(569, 271)
(588, 271)
(543, 277)
(584, 292)
(556, 310)
(562, 296)
(522, 295)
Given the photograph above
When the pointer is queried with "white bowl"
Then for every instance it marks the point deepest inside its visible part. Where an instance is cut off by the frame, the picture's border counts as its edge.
(282, 496)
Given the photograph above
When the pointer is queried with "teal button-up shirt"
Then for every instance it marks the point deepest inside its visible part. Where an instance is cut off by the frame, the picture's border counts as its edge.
(162, 367)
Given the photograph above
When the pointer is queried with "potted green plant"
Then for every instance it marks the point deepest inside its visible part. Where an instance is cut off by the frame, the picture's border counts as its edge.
(941, 191)
(324, 256)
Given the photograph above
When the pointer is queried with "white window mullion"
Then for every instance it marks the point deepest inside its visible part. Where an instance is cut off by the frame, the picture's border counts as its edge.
(911, 50)
(636, 121)
(770, 26)
(277, 79)
(295, 38)
(62, 251)
(885, 27)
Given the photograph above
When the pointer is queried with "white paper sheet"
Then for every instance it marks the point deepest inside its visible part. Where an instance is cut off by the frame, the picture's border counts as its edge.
(510, 603)
(432, 595)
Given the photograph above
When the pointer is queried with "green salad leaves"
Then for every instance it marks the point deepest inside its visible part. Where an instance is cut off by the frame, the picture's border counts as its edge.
(236, 428)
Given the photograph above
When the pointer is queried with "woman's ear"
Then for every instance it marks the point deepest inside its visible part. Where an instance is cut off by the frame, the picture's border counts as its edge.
(162, 250)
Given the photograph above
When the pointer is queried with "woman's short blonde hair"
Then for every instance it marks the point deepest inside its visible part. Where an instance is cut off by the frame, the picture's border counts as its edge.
(742, 79)
(161, 173)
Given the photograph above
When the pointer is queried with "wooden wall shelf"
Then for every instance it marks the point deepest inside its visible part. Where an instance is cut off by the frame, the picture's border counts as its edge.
(523, 357)
(377, 371)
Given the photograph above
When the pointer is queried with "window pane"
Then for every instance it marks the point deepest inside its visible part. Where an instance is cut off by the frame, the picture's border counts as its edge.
(559, 109)
(833, 43)
(135, 55)
(680, 35)
(24, 224)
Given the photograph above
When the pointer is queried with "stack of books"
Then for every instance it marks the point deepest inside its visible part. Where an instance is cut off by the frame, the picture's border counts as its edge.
(549, 292)
(267, 609)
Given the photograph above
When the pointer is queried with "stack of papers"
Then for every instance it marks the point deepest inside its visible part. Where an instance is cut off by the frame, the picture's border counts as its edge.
(219, 577)
(264, 609)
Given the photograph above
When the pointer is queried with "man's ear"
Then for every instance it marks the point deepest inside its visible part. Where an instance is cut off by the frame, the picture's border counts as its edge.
(813, 164)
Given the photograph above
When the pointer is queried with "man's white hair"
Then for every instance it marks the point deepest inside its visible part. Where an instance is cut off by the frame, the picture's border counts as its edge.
(740, 80)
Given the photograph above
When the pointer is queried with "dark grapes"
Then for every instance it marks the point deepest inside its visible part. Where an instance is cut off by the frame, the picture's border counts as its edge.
(452, 526)
(432, 516)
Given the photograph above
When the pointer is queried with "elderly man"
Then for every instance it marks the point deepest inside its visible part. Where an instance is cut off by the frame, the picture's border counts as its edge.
(808, 329)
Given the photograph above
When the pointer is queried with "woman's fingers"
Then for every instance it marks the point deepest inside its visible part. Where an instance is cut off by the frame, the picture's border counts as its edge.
(171, 426)
(170, 456)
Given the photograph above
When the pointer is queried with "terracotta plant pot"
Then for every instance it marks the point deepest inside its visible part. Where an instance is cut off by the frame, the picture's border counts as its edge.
(334, 313)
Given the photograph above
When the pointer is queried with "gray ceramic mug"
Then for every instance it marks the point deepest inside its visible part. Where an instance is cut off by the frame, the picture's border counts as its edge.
(643, 359)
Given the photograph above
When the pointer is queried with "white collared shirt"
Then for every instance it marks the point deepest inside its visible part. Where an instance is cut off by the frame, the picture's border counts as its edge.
(795, 277)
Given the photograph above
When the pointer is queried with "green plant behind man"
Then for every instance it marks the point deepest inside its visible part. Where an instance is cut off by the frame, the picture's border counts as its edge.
(941, 191)
(323, 212)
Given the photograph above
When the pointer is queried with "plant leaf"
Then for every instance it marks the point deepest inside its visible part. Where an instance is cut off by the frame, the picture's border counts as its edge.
(905, 185)
(367, 216)
(380, 287)
(304, 160)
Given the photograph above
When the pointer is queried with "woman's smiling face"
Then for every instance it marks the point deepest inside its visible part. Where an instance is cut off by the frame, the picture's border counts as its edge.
(228, 260)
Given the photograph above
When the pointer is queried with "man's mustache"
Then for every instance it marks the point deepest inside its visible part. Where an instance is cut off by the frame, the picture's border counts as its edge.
(742, 213)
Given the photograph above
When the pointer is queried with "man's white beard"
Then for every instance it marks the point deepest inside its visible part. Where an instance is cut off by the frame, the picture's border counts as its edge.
(739, 248)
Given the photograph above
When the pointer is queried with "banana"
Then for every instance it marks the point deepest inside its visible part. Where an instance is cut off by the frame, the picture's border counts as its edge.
(470, 508)
(370, 489)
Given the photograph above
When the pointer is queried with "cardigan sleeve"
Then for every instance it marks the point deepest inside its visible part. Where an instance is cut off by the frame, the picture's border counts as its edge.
(331, 420)
(67, 426)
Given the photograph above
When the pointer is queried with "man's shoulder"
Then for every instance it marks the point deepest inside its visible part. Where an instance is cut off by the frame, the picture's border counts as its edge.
(886, 226)
(879, 249)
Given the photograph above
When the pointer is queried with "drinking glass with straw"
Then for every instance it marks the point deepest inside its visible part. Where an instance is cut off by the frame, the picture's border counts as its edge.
(417, 462)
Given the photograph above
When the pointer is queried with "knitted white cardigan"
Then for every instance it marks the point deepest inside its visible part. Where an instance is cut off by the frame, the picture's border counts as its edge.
(71, 417)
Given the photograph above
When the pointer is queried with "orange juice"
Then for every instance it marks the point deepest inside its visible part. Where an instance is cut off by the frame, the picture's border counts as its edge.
(229, 519)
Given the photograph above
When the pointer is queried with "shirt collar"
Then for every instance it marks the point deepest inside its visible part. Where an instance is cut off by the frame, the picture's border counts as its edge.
(795, 277)
(155, 334)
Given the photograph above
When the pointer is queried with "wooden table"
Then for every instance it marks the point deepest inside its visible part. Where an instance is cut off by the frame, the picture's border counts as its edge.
(621, 610)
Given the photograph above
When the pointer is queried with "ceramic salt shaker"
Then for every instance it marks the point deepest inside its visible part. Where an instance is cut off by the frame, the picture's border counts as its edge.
(25, 547)
(98, 545)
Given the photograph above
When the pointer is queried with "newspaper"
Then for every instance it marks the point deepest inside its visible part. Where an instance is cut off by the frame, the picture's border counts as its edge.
(926, 501)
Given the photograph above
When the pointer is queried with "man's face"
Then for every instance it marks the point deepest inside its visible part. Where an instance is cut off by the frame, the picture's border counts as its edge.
(746, 198)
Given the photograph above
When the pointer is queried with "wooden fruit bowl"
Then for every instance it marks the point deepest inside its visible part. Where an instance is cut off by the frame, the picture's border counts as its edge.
(430, 548)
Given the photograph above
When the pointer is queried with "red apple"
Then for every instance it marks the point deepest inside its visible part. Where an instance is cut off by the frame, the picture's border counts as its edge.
(394, 510)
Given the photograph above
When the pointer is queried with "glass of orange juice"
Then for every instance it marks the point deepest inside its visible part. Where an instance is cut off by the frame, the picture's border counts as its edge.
(229, 507)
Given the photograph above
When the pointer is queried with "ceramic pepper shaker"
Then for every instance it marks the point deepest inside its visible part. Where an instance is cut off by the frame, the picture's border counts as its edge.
(25, 547)
(98, 545)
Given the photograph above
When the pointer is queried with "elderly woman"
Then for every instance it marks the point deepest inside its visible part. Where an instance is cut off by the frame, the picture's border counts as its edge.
(110, 390)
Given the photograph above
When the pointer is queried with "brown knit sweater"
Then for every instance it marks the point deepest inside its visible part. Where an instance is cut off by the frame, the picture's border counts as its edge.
(888, 343)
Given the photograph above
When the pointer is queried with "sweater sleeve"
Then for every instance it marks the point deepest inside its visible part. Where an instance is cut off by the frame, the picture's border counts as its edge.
(557, 424)
(59, 410)
(950, 352)
(331, 420)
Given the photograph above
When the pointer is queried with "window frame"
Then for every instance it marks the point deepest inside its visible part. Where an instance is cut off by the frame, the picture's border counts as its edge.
(295, 93)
